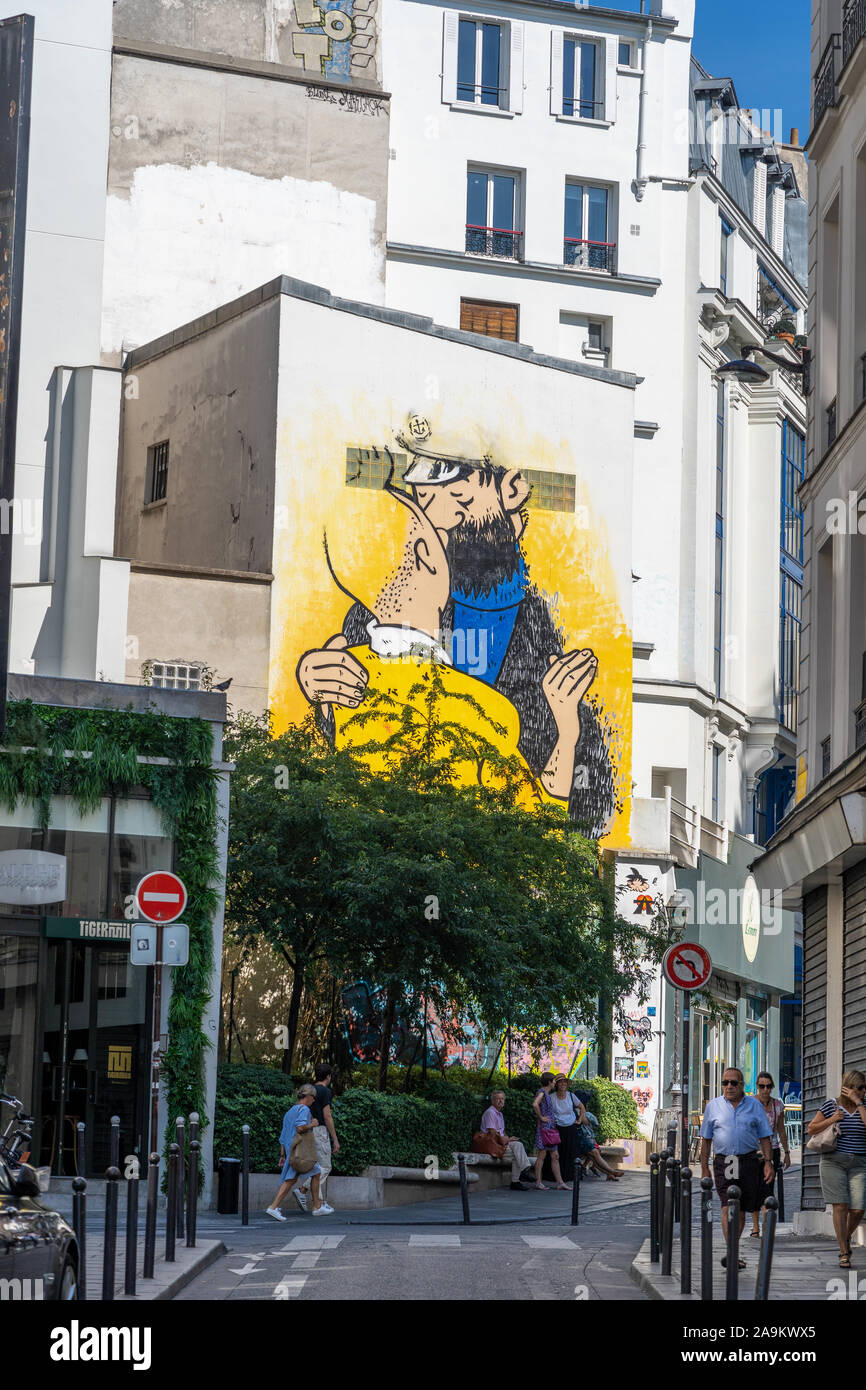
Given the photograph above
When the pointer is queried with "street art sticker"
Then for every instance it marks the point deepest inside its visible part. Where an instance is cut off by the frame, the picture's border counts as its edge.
(642, 1096)
(334, 38)
(623, 1069)
(439, 564)
(642, 892)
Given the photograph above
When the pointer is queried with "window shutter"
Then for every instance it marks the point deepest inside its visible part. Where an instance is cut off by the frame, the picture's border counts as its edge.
(556, 59)
(449, 55)
(610, 47)
(515, 69)
(490, 319)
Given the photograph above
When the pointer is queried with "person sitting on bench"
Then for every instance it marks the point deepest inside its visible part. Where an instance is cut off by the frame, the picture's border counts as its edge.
(494, 1141)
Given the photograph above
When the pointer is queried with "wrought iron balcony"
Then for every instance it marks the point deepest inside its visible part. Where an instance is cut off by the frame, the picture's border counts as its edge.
(589, 255)
(853, 27)
(826, 78)
(493, 241)
(860, 725)
(826, 757)
(831, 424)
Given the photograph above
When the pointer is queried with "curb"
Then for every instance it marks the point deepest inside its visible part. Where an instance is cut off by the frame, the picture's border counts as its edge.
(207, 1255)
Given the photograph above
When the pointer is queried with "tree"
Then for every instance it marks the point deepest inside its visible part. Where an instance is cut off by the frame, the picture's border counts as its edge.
(478, 898)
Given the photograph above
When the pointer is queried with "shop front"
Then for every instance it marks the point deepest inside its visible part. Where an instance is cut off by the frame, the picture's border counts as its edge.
(750, 938)
(75, 1019)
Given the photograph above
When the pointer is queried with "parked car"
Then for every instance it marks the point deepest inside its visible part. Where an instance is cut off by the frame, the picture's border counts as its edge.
(39, 1254)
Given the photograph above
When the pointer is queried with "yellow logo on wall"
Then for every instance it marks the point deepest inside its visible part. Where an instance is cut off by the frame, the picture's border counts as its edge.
(119, 1062)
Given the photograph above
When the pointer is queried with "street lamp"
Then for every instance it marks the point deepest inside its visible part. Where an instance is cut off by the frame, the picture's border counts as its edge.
(744, 369)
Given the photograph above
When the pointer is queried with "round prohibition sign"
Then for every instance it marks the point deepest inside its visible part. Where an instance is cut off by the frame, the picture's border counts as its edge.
(161, 897)
(687, 965)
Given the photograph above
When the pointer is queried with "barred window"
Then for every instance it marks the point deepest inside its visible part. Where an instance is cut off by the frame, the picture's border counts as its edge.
(177, 675)
(157, 472)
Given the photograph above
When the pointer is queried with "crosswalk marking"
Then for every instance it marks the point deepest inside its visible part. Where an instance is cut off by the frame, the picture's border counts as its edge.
(308, 1259)
(548, 1242)
(309, 1243)
(289, 1288)
(425, 1240)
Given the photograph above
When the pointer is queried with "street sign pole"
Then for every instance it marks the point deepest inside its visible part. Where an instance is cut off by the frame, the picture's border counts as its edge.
(155, 1059)
(684, 1078)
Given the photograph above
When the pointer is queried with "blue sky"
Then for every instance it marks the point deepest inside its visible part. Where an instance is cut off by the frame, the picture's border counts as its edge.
(764, 46)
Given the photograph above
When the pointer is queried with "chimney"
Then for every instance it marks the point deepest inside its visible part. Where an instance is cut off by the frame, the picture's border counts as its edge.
(795, 137)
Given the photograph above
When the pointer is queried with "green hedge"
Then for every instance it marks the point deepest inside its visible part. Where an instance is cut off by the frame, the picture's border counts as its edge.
(394, 1128)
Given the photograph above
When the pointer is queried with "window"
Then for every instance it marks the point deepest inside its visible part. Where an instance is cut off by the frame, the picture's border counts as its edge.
(479, 63)
(826, 757)
(831, 423)
(586, 243)
(625, 53)
(719, 569)
(177, 675)
(374, 468)
(727, 233)
(791, 573)
(157, 472)
(595, 336)
(491, 319)
(773, 302)
(582, 79)
(551, 492)
(482, 63)
(492, 214)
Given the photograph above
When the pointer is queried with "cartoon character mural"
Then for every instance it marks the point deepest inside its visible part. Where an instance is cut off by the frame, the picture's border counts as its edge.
(454, 587)
(637, 1032)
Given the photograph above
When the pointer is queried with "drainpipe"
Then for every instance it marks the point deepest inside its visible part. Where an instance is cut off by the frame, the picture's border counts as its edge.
(641, 180)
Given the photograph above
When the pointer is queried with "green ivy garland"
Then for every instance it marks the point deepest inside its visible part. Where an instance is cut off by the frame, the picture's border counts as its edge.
(106, 745)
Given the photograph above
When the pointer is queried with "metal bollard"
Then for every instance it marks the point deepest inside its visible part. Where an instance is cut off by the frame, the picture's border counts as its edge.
(660, 1206)
(150, 1216)
(686, 1230)
(171, 1202)
(575, 1192)
(193, 1125)
(114, 1143)
(654, 1209)
(79, 1225)
(732, 1280)
(80, 1161)
(765, 1260)
(676, 1165)
(109, 1249)
(131, 1231)
(180, 1137)
(245, 1178)
(707, 1239)
(672, 1140)
(464, 1188)
(192, 1192)
(668, 1222)
(780, 1188)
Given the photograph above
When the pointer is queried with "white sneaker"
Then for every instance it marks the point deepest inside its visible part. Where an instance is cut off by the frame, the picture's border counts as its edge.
(275, 1213)
(323, 1210)
(300, 1197)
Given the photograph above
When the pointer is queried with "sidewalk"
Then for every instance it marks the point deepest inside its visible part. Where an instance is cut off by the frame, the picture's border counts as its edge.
(168, 1279)
(803, 1269)
(502, 1206)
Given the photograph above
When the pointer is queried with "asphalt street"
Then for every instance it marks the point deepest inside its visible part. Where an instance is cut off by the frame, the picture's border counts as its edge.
(532, 1252)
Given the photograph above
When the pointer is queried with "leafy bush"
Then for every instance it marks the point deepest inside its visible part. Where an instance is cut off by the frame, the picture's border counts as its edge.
(396, 1128)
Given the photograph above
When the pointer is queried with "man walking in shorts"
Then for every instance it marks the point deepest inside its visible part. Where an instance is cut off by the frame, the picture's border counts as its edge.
(736, 1126)
(324, 1134)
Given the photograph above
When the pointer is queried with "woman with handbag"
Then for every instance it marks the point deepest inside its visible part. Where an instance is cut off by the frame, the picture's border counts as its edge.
(569, 1115)
(298, 1154)
(839, 1135)
(547, 1136)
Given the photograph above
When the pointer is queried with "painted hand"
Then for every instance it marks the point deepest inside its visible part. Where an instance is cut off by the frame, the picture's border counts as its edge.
(332, 676)
(567, 680)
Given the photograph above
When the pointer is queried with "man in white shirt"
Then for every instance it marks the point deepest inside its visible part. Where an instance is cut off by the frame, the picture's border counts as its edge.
(493, 1123)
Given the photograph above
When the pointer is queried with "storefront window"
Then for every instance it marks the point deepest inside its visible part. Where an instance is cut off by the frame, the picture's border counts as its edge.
(19, 957)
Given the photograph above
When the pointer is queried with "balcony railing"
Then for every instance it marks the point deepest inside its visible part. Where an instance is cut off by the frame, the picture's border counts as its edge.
(493, 241)
(860, 725)
(853, 27)
(831, 424)
(826, 757)
(826, 78)
(589, 255)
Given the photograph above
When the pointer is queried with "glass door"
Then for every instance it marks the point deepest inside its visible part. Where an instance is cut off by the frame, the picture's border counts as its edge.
(94, 1054)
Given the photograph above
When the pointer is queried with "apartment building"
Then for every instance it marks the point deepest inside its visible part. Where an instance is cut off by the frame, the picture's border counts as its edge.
(818, 854)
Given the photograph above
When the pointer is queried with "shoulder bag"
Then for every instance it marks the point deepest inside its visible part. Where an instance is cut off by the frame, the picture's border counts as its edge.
(302, 1154)
(826, 1141)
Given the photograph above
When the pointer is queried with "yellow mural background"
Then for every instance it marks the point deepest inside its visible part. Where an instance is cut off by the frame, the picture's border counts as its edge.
(568, 555)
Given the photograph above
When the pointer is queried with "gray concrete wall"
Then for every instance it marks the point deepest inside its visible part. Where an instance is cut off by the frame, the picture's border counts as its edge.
(214, 400)
(230, 162)
(271, 30)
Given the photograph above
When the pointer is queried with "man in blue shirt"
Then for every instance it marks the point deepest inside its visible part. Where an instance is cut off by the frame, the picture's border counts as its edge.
(736, 1126)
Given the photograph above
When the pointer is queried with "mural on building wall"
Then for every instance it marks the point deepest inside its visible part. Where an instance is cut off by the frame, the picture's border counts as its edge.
(642, 891)
(438, 559)
(363, 1012)
(335, 39)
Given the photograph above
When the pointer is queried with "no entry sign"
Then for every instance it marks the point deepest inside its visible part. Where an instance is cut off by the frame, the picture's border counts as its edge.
(161, 897)
(687, 965)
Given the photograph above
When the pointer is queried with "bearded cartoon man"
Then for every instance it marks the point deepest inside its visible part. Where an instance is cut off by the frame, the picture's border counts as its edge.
(497, 627)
